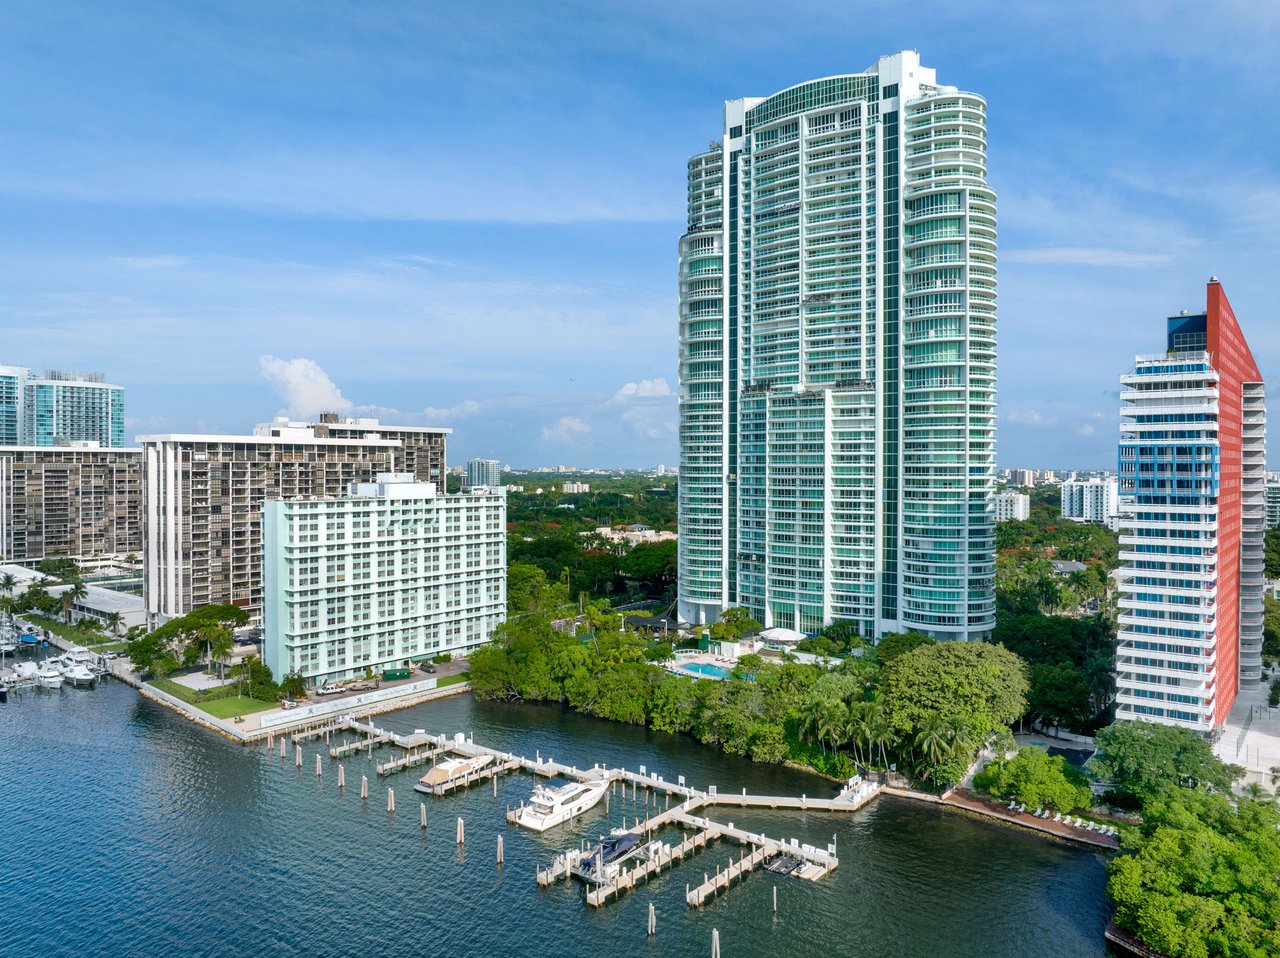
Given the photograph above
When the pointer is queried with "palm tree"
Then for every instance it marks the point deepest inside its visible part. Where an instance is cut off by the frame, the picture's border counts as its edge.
(879, 731)
(811, 717)
(76, 591)
(933, 742)
(857, 728)
(113, 621)
(8, 583)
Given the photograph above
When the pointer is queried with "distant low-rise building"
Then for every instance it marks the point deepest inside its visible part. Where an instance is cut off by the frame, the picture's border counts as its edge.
(575, 488)
(390, 573)
(1090, 500)
(1012, 506)
(1273, 502)
(631, 534)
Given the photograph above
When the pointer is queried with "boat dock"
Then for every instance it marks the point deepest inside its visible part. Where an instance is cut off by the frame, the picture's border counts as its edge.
(663, 804)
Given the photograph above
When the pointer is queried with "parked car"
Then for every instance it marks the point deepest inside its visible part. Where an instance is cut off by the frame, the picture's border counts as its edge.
(428, 668)
(108, 656)
(328, 688)
(288, 704)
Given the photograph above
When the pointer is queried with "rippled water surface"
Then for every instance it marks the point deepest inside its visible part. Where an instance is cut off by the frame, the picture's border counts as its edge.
(127, 831)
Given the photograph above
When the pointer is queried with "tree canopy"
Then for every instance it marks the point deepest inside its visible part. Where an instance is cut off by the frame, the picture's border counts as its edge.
(1201, 878)
(1152, 761)
(983, 686)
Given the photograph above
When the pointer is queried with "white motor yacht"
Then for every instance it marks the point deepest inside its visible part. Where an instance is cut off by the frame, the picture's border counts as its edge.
(550, 807)
(77, 673)
(49, 675)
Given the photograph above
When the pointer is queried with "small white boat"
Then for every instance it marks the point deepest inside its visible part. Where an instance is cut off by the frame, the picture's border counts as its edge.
(49, 675)
(77, 673)
(450, 770)
(25, 671)
(550, 807)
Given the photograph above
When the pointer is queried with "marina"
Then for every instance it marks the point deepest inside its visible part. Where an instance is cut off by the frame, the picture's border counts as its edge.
(908, 872)
(630, 855)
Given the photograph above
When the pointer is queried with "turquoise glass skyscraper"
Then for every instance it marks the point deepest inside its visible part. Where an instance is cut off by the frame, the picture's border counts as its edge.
(837, 359)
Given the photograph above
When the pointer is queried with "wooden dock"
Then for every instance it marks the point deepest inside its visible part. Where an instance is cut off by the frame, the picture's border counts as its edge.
(410, 759)
(721, 881)
(663, 858)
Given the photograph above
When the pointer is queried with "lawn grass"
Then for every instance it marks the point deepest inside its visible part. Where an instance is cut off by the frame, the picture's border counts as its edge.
(453, 679)
(231, 707)
(72, 633)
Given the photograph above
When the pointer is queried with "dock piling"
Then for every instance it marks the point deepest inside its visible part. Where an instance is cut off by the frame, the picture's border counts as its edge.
(298, 756)
(715, 943)
(775, 899)
(391, 800)
(319, 771)
(364, 787)
(422, 815)
(342, 777)
(282, 748)
(499, 851)
(461, 831)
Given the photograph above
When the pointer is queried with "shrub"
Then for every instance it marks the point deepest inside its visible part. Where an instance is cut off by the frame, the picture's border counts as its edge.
(1037, 779)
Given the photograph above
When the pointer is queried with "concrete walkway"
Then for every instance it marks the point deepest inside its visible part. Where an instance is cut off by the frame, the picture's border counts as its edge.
(1251, 736)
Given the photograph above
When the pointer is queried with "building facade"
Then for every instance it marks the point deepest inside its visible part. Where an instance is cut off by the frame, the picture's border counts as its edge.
(59, 408)
(1090, 500)
(575, 488)
(387, 575)
(422, 448)
(1193, 455)
(837, 359)
(1012, 506)
(1273, 502)
(484, 473)
(76, 501)
(202, 506)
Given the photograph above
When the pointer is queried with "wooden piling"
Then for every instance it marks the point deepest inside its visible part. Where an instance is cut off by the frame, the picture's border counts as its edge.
(495, 786)
(422, 815)
(715, 943)
(461, 832)
(391, 800)
(364, 787)
(282, 743)
(499, 851)
(653, 921)
(319, 770)
(342, 777)
(775, 899)
(298, 757)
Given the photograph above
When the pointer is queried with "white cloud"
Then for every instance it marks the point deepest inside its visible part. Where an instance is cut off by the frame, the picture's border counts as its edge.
(1027, 417)
(1085, 429)
(565, 429)
(1085, 256)
(644, 389)
(445, 415)
(306, 388)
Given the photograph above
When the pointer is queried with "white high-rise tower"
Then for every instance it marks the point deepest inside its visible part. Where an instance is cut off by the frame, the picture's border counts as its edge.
(837, 359)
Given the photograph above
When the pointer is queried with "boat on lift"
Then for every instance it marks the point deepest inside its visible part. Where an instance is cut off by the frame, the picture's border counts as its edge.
(49, 675)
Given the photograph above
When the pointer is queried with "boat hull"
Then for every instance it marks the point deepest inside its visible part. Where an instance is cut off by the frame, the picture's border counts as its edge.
(588, 800)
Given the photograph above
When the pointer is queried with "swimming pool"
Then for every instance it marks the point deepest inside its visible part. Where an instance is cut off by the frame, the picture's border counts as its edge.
(705, 668)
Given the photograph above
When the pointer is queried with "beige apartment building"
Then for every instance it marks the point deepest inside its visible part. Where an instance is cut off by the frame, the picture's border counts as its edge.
(78, 501)
(203, 496)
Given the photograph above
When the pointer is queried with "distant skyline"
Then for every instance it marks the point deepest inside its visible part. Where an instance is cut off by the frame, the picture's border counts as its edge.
(468, 215)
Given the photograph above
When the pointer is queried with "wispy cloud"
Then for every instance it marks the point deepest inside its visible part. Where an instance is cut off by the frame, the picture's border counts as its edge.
(150, 262)
(1086, 256)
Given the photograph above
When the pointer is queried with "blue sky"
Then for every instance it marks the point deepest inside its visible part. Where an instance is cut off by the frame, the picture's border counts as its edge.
(467, 214)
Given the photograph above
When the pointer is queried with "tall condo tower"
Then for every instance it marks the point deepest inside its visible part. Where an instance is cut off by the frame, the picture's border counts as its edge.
(1193, 456)
(837, 359)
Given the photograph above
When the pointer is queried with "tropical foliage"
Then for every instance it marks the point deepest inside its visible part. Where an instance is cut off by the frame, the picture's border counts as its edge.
(1201, 878)
(1151, 762)
(1037, 779)
(929, 718)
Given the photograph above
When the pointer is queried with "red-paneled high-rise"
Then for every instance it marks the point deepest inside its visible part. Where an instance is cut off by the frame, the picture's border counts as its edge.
(1193, 457)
